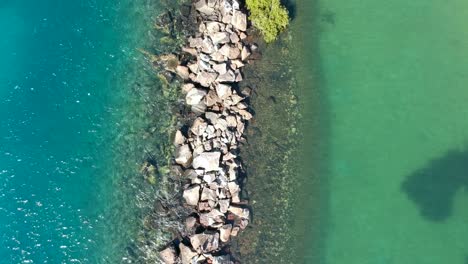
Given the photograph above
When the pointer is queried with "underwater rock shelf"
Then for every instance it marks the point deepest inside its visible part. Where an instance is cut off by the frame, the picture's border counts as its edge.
(207, 146)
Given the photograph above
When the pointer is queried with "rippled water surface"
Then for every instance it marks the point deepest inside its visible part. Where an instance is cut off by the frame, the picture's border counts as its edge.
(74, 128)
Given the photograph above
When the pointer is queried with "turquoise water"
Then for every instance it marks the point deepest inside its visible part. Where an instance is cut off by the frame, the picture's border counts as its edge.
(71, 130)
(391, 161)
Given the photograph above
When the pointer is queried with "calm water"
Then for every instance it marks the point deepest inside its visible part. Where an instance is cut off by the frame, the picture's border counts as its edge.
(391, 78)
(70, 137)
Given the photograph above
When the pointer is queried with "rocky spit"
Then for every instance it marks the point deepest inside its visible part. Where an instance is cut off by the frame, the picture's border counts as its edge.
(207, 147)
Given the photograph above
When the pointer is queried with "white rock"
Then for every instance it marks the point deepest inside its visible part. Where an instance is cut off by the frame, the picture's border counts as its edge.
(220, 38)
(223, 90)
(179, 138)
(239, 20)
(225, 232)
(207, 160)
(245, 53)
(239, 211)
(202, 7)
(205, 242)
(183, 72)
(186, 254)
(194, 96)
(192, 195)
(183, 155)
(206, 78)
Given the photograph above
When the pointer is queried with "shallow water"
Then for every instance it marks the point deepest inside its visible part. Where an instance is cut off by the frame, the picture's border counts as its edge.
(391, 162)
(74, 129)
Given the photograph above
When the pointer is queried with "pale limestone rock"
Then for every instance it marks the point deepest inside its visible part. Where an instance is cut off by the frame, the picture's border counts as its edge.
(202, 7)
(239, 21)
(183, 156)
(225, 232)
(192, 195)
(204, 242)
(208, 194)
(206, 78)
(186, 254)
(239, 211)
(220, 68)
(229, 76)
(168, 255)
(207, 160)
(179, 138)
(235, 231)
(214, 218)
(194, 96)
(223, 90)
(220, 38)
(245, 53)
(183, 72)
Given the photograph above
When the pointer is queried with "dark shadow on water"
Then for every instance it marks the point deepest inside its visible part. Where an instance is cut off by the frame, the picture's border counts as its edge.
(291, 7)
(434, 186)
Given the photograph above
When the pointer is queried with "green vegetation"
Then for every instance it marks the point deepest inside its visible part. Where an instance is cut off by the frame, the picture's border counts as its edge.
(269, 16)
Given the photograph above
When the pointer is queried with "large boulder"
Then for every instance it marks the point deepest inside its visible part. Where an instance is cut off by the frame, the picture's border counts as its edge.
(207, 160)
(239, 21)
(223, 90)
(203, 7)
(186, 254)
(206, 78)
(220, 37)
(205, 242)
(225, 232)
(194, 96)
(183, 155)
(192, 195)
(214, 218)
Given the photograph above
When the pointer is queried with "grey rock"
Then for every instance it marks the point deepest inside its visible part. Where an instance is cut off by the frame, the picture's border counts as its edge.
(235, 231)
(192, 195)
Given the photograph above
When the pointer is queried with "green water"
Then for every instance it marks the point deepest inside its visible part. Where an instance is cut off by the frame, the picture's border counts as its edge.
(393, 131)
